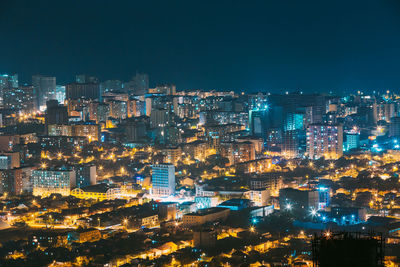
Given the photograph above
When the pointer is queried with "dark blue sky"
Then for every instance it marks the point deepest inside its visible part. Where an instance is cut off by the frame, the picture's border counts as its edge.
(242, 45)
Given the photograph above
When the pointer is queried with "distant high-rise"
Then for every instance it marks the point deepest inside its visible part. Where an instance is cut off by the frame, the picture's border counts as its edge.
(324, 140)
(290, 144)
(46, 182)
(135, 129)
(139, 85)
(163, 179)
(256, 121)
(55, 113)
(264, 121)
(21, 98)
(60, 93)
(83, 90)
(164, 89)
(83, 78)
(394, 127)
(111, 86)
(7, 82)
(45, 89)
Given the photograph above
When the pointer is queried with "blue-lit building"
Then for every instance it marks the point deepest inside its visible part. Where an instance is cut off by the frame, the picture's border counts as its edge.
(7, 82)
(235, 204)
(294, 121)
(163, 180)
(352, 141)
(344, 215)
(85, 175)
(324, 194)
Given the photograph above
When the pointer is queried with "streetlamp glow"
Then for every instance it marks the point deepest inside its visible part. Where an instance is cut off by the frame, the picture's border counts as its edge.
(313, 212)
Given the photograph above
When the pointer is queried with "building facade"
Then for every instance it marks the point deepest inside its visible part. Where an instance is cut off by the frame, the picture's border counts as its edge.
(163, 179)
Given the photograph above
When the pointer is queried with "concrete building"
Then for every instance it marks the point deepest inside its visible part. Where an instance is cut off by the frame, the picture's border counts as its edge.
(46, 182)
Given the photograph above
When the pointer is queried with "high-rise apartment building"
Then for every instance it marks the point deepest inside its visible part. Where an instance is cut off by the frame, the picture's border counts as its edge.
(55, 113)
(9, 160)
(83, 90)
(139, 85)
(45, 89)
(111, 86)
(85, 175)
(22, 98)
(46, 182)
(290, 144)
(324, 140)
(7, 82)
(163, 180)
(394, 127)
(83, 78)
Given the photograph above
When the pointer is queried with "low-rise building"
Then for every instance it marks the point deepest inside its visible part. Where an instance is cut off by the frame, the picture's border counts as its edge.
(99, 192)
(147, 220)
(85, 235)
(205, 215)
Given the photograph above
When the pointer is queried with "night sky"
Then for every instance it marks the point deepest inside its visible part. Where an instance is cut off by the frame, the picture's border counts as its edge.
(248, 45)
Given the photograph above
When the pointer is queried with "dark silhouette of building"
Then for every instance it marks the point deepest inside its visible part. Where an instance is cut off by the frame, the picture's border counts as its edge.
(55, 113)
(347, 249)
(44, 87)
(83, 90)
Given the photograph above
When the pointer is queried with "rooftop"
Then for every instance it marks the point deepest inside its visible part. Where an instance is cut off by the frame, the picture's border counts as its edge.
(207, 211)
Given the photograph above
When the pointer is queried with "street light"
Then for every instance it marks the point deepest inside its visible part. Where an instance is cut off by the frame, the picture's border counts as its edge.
(313, 212)
(327, 234)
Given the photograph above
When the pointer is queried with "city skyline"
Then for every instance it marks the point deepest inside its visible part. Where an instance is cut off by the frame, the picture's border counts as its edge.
(258, 46)
(213, 133)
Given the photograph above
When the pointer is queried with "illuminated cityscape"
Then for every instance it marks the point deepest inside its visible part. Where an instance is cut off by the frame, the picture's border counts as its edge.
(100, 167)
